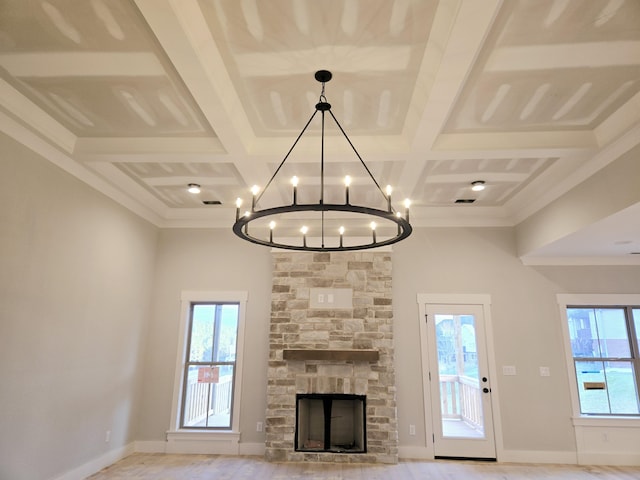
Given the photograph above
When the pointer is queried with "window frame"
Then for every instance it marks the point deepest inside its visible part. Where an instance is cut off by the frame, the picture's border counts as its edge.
(188, 363)
(566, 301)
(188, 299)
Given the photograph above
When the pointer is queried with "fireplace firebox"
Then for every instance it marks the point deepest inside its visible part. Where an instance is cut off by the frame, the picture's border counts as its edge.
(331, 423)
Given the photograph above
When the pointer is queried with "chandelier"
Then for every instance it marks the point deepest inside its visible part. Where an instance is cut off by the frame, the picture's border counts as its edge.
(336, 227)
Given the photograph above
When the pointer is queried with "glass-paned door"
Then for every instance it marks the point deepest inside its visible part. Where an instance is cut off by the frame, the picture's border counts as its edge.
(459, 382)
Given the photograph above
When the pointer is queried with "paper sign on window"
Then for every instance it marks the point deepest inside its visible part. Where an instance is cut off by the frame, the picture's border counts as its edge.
(208, 374)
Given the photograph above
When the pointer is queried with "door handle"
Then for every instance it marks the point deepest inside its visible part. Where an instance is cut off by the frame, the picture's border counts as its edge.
(486, 390)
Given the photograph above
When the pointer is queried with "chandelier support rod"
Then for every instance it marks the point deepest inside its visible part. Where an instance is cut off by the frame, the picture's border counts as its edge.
(322, 174)
(359, 157)
(287, 156)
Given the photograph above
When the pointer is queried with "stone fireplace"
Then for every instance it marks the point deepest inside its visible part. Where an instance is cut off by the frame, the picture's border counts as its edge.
(331, 359)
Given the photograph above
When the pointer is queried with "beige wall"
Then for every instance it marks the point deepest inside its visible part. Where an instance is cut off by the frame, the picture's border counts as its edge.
(611, 190)
(206, 260)
(76, 274)
(89, 315)
(535, 411)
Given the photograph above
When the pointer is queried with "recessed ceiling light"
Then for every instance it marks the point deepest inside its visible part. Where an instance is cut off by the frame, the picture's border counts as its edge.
(477, 186)
(193, 188)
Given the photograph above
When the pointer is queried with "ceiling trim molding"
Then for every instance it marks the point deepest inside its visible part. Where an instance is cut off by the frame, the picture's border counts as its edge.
(38, 145)
(30, 114)
(580, 261)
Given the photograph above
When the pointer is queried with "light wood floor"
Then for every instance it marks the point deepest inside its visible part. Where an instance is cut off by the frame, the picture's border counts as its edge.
(144, 466)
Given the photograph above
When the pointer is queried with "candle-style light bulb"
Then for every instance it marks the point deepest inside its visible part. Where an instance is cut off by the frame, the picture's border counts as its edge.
(272, 225)
(389, 190)
(347, 182)
(294, 182)
(341, 230)
(304, 231)
(238, 205)
(407, 204)
(373, 231)
(254, 191)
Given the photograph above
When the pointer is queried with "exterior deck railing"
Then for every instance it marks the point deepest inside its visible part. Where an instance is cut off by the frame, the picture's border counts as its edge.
(461, 399)
(199, 404)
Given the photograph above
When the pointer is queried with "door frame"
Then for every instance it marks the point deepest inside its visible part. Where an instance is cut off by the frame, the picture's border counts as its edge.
(483, 300)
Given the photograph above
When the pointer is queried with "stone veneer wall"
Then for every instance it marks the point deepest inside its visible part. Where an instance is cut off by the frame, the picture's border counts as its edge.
(368, 325)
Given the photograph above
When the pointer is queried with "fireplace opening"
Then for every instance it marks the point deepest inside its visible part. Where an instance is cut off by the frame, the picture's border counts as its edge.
(331, 423)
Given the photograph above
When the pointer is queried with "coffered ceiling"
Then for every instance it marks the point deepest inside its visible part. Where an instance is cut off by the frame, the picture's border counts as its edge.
(141, 97)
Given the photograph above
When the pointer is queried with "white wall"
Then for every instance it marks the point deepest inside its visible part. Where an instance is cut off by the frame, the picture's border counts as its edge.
(206, 260)
(76, 273)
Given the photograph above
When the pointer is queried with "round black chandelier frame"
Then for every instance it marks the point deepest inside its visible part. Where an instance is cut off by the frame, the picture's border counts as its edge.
(241, 225)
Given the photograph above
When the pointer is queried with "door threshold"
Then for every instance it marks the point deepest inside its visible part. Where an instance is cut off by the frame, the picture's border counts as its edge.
(471, 459)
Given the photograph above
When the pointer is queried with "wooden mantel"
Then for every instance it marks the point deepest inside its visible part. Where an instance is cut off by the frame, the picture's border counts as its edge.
(333, 355)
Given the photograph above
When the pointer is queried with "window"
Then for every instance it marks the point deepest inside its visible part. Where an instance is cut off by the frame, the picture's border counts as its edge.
(604, 348)
(207, 388)
(209, 365)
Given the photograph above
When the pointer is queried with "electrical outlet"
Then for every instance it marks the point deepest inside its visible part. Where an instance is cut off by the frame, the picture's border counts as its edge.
(545, 372)
(259, 427)
(107, 436)
(412, 429)
(508, 370)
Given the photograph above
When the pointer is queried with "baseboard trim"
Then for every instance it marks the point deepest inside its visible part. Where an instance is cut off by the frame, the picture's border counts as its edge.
(149, 446)
(220, 443)
(411, 452)
(508, 456)
(609, 458)
(538, 456)
(253, 449)
(97, 464)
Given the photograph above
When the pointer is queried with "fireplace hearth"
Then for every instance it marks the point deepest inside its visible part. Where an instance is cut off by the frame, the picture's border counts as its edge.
(331, 423)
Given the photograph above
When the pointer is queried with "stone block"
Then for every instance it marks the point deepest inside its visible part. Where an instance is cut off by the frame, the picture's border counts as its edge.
(280, 288)
(363, 343)
(381, 301)
(320, 282)
(275, 455)
(321, 257)
(353, 325)
(302, 293)
(299, 274)
(299, 304)
(354, 265)
(302, 384)
(361, 386)
(335, 370)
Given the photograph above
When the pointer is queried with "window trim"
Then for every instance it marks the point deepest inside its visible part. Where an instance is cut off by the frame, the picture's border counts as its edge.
(187, 298)
(604, 300)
